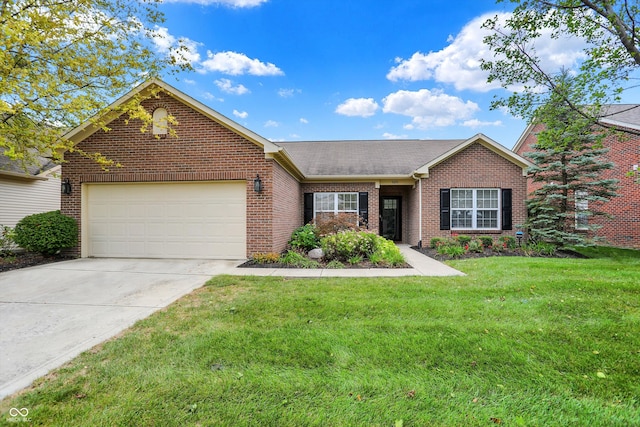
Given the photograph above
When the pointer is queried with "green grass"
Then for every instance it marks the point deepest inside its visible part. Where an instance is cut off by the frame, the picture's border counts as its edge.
(519, 341)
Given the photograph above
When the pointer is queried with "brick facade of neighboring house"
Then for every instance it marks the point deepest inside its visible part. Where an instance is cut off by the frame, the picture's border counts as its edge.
(211, 168)
(622, 229)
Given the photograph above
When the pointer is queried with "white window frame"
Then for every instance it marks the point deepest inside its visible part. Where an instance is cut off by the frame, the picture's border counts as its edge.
(474, 209)
(335, 202)
(582, 205)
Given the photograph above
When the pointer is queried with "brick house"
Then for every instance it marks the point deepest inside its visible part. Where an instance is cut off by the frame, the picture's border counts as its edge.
(623, 228)
(219, 190)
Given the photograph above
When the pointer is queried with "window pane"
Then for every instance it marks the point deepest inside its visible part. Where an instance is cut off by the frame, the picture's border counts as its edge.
(461, 219)
(347, 201)
(487, 219)
(324, 202)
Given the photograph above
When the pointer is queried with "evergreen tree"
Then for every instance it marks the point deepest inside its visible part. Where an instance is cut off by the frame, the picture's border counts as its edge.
(568, 158)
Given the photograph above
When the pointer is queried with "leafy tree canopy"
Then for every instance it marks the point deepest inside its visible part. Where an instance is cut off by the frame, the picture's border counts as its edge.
(62, 62)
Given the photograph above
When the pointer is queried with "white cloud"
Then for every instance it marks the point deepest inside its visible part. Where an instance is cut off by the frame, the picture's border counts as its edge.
(288, 93)
(240, 114)
(229, 3)
(235, 64)
(388, 135)
(184, 50)
(227, 86)
(211, 97)
(358, 107)
(459, 62)
(271, 124)
(429, 109)
(475, 123)
(303, 120)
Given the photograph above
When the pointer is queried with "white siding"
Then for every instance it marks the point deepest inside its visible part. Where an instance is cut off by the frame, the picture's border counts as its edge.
(21, 197)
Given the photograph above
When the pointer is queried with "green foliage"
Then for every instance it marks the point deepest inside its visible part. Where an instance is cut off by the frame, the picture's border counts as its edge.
(540, 249)
(46, 233)
(462, 239)
(452, 250)
(475, 246)
(508, 241)
(386, 253)
(266, 258)
(305, 237)
(335, 264)
(7, 240)
(487, 241)
(348, 244)
(355, 260)
(63, 62)
(296, 259)
(436, 241)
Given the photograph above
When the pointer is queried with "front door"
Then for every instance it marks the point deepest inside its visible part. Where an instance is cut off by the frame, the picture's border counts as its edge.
(390, 218)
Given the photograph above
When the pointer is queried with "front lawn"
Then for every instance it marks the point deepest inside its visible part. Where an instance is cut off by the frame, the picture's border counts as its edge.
(517, 342)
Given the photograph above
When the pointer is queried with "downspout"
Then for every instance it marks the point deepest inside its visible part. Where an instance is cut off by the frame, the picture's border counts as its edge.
(419, 209)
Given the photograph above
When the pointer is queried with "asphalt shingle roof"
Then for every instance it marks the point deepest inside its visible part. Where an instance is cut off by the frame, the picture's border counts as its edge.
(365, 158)
(628, 114)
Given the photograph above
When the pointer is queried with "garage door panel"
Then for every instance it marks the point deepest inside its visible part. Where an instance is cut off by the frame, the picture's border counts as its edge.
(167, 220)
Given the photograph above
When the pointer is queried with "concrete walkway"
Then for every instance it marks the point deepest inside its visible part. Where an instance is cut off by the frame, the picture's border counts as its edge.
(51, 313)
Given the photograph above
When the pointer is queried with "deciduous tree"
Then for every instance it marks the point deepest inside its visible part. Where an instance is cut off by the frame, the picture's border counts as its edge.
(62, 62)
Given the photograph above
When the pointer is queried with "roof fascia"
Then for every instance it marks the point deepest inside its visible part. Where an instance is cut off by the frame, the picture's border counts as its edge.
(485, 141)
(617, 123)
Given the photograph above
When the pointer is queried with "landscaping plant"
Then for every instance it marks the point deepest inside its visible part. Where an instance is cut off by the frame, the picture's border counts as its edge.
(46, 233)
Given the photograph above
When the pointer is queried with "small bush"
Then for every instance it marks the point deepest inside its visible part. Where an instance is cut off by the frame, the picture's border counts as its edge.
(436, 241)
(540, 248)
(499, 246)
(475, 246)
(509, 240)
(387, 253)
(46, 233)
(335, 264)
(487, 241)
(305, 237)
(348, 244)
(266, 258)
(298, 260)
(451, 250)
(332, 224)
(7, 242)
(462, 239)
(355, 260)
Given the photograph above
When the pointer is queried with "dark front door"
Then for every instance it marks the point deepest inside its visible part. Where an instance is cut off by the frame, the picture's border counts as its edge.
(390, 218)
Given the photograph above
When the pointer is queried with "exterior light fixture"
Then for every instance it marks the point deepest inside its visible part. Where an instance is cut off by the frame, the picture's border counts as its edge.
(65, 186)
(257, 184)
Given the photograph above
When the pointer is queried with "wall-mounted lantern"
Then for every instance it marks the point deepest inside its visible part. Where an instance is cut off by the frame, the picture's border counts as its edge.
(65, 186)
(257, 184)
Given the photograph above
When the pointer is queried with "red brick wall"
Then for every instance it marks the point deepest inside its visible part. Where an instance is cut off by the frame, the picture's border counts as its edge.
(369, 187)
(474, 167)
(203, 151)
(287, 213)
(623, 229)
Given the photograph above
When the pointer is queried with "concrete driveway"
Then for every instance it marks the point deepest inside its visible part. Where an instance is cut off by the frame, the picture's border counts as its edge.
(51, 313)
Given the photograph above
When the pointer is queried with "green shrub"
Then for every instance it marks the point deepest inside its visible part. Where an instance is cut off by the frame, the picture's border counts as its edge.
(436, 241)
(298, 260)
(7, 242)
(335, 264)
(487, 241)
(509, 240)
(46, 233)
(540, 248)
(305, 237)
(462, 239)
(452, 250)
(348, 244)
(386, 253)
(475, 246)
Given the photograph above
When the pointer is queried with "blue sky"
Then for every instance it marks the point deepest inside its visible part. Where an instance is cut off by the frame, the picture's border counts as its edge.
(344, 69)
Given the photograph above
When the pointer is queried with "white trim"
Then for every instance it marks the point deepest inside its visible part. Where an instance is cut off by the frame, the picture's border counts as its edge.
(474, 209)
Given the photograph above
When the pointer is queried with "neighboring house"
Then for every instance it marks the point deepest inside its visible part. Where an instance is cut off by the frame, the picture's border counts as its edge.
(26, 192)
(219, 190)
(623, 227)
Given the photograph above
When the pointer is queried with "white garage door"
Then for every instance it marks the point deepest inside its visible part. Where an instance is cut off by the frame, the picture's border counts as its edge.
(167, 220)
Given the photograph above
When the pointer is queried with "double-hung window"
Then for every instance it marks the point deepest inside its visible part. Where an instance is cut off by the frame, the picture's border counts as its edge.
(475, 209)
(335, 203)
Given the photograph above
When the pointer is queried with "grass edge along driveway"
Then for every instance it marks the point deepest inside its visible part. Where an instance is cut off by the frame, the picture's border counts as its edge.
(518, 341)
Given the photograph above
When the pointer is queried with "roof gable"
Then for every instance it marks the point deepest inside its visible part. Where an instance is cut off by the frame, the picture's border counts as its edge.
(145, 90)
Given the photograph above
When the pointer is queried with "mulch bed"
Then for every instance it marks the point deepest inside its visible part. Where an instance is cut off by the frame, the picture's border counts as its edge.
(489, 253)
(28, 259)
(364, 264)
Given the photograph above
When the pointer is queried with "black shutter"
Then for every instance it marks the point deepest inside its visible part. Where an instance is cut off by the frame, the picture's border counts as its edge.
(507, 221)
(445, 211)
(308, 207)
(363, 208)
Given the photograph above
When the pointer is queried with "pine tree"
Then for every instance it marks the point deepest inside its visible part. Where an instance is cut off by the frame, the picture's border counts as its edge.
(568, 158)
